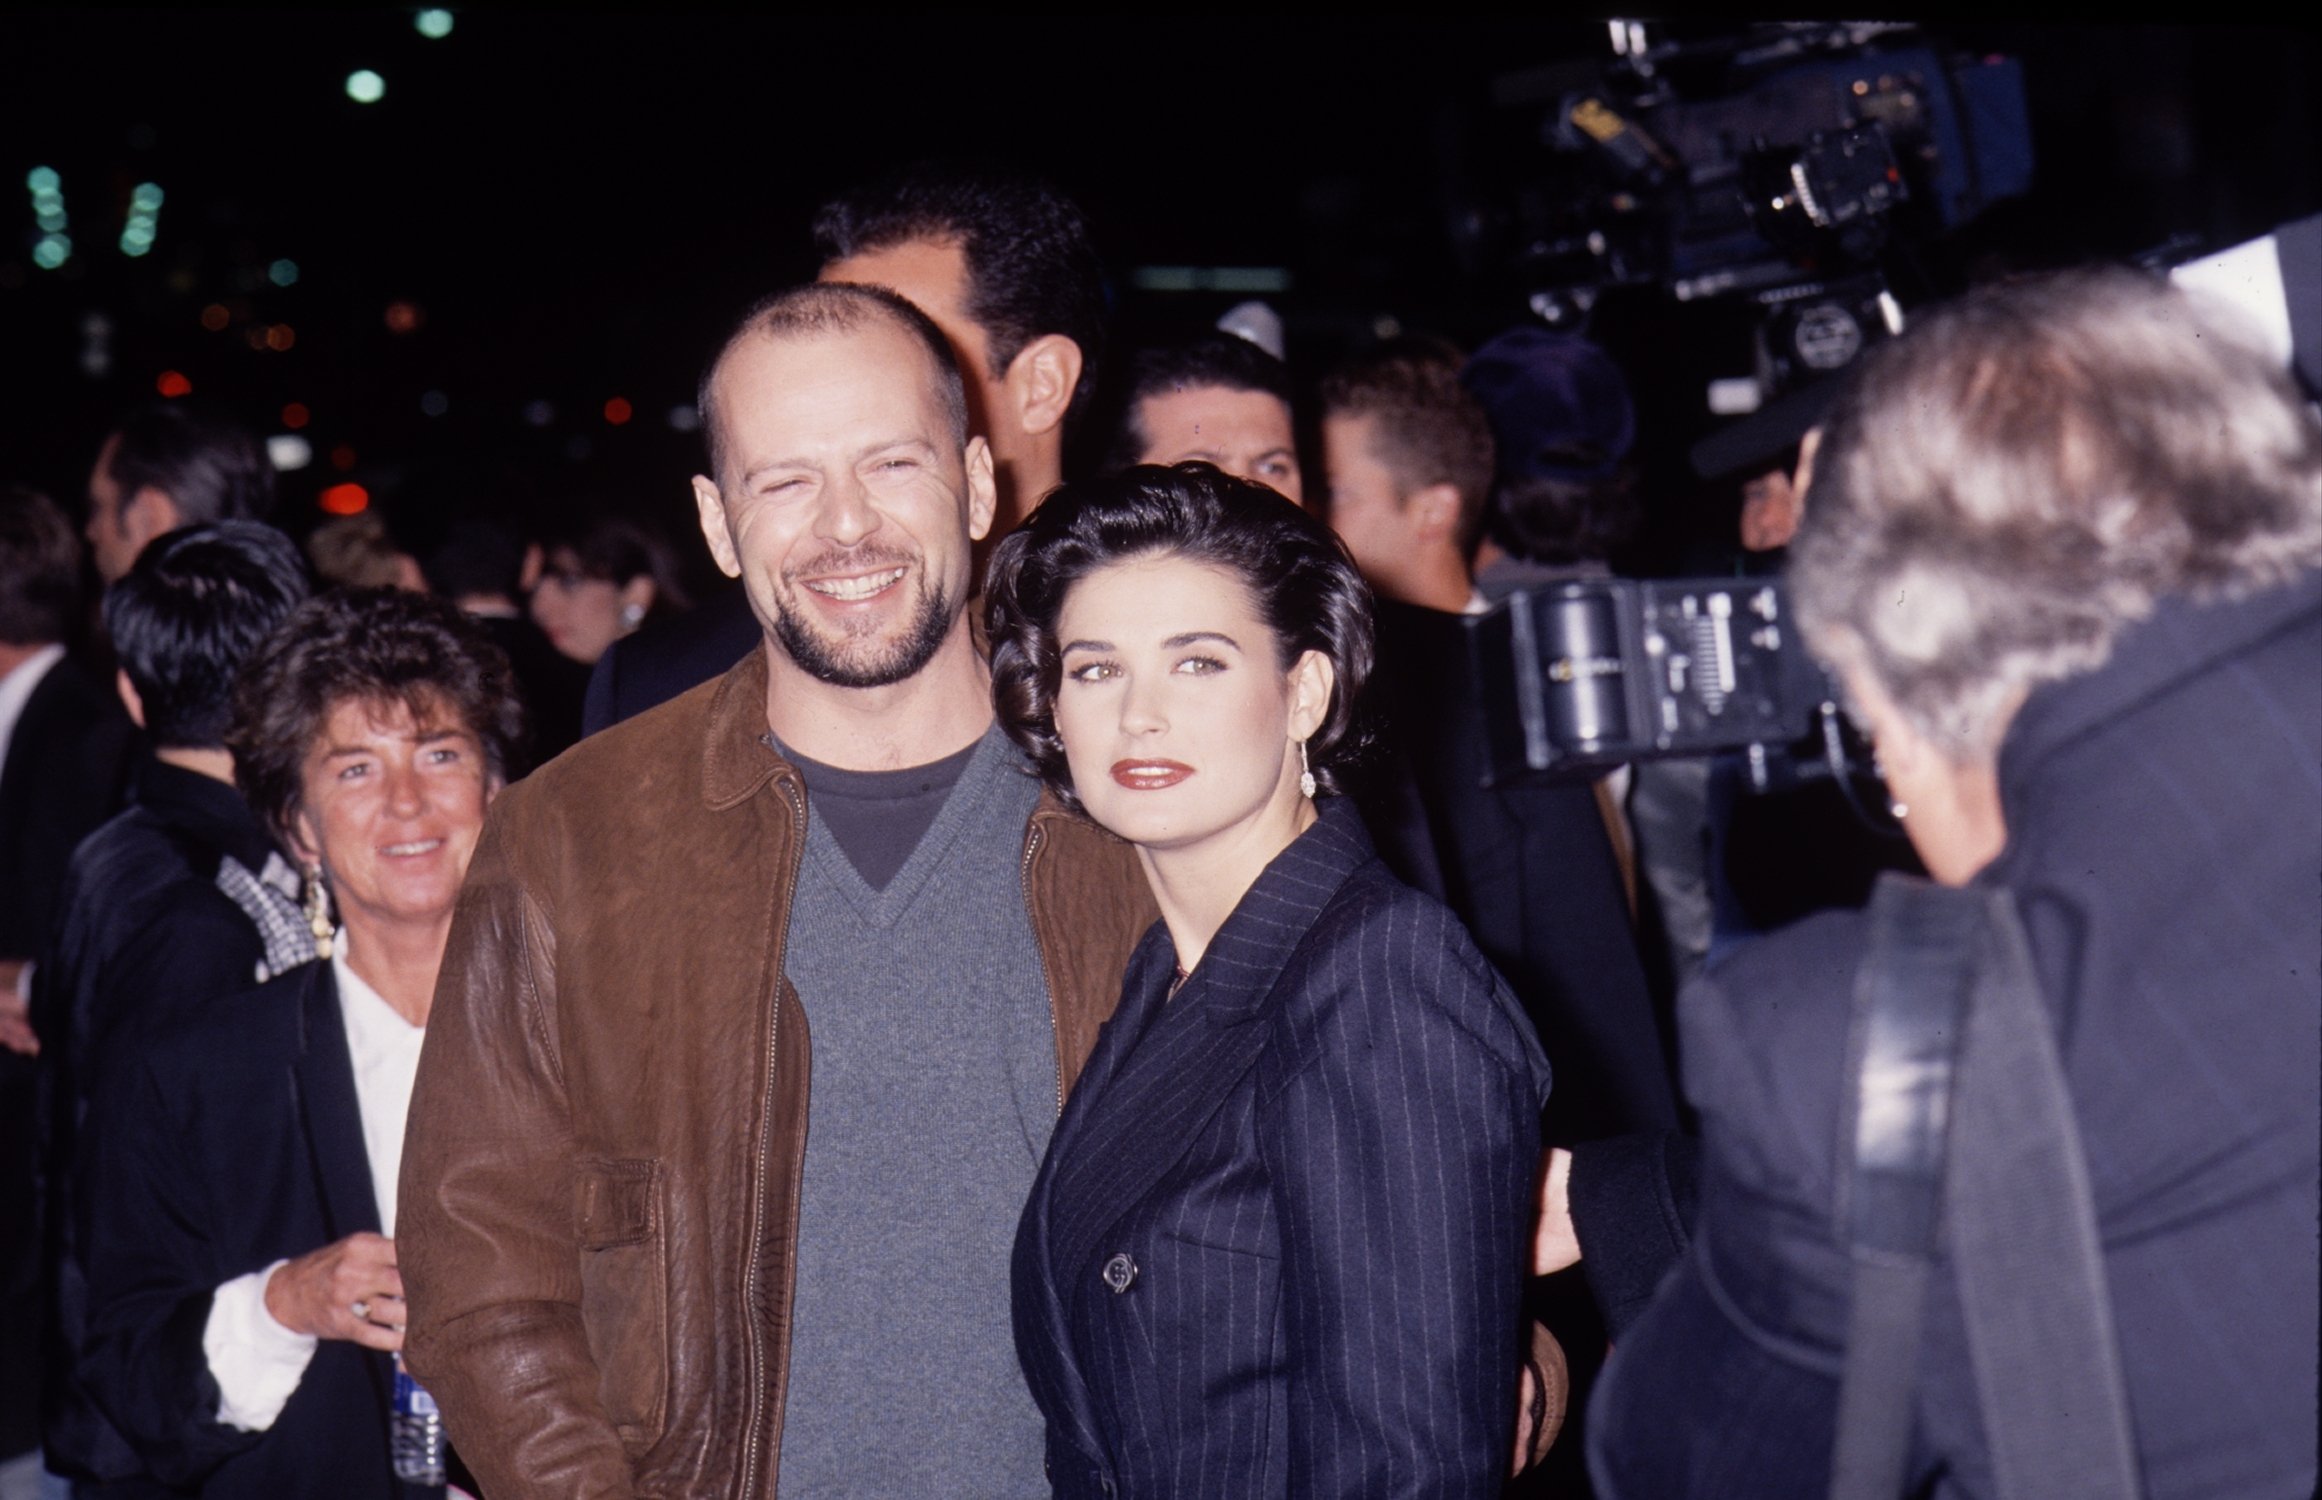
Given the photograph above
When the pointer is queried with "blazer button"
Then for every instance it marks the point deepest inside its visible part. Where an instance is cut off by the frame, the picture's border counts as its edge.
(1120, 1272)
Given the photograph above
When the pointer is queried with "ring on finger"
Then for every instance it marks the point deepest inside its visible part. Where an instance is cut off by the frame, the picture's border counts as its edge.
(361, 1308)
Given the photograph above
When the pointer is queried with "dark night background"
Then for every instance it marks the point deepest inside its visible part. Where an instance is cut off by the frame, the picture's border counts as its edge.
(576, 205)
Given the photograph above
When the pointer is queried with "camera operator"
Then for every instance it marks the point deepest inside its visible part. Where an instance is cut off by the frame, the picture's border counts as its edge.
(2065, 551)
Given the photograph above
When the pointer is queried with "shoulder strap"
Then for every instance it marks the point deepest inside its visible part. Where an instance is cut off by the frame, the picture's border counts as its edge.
(1909, 1003)
(1962, 1129)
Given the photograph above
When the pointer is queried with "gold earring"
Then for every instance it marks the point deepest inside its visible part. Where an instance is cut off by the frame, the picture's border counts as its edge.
(318, 910)
(1305, 773)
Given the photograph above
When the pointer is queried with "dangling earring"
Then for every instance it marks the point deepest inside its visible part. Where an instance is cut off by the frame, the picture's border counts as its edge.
(1305, 773)
(1899, 810)
(318, 910)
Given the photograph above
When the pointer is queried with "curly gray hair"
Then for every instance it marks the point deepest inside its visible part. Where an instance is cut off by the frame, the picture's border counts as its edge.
(2006, 488)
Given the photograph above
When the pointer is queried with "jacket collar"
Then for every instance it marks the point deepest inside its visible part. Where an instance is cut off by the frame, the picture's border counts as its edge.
(737, 757)
(2180, 641)
(324, 1076)
(209, 811)
(1238, 969)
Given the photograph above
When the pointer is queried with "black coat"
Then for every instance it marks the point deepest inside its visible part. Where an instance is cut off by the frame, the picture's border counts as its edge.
(67, 771)
(142, 931)
(1276, 1245)
(667, 657)
(2164, 821)
(233, 1139)
(1529, 870)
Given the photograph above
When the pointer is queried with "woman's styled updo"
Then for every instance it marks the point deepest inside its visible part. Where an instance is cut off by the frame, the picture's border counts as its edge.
(1305, 588)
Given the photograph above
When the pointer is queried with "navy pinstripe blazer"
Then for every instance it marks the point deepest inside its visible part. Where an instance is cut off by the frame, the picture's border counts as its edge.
(1276, 1247)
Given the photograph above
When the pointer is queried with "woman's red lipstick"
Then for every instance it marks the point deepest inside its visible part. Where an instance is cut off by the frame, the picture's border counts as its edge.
(1149, 775)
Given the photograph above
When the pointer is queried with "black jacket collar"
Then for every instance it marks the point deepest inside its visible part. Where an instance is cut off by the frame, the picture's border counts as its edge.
(209, 811)
(2181, 641)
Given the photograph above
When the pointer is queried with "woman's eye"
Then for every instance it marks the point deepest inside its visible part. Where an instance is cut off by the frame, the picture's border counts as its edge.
(1091, 671)
(1200, 666)
(355, 772)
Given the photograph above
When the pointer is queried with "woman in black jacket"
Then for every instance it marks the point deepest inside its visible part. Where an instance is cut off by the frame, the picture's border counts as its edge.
(1277, 1245)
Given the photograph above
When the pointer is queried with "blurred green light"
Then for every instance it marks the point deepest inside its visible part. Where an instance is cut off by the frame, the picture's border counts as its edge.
(52, 251)
(365, 86)
(283, 272)
(50, 219)
(146, 196)
(43, 180)
(435, 25)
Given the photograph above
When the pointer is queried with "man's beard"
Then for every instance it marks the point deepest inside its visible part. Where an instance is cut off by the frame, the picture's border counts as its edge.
(857, 662)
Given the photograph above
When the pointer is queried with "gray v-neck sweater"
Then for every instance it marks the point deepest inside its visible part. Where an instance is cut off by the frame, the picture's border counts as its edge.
(931, 1098)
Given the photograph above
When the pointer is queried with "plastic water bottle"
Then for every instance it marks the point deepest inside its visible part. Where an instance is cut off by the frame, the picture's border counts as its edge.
(414, 1431)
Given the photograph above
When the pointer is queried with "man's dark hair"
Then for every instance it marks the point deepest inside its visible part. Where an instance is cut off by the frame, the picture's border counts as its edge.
(212, 467)
(384, 646)
(1425, 426)
(1544, 519)
(1031, 267)
(40, 569)
(816, 310)
(1218, 360)
(1299, 576)
(186, 616)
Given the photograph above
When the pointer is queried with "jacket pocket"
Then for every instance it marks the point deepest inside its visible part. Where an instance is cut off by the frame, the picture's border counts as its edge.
(624, 1292)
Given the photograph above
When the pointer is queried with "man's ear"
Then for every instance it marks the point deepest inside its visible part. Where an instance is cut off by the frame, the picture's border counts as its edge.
(712, 509)
(1311, 679)
(129, 699)
(149, 513)
(1434, 512)
(983, 490)
(1041, 380)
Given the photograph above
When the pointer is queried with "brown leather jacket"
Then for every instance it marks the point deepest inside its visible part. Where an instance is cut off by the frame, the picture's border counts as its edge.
(600, 1179)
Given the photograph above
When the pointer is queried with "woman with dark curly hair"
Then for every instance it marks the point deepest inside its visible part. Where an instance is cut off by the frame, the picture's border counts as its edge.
(1276, 1247)
(244, 1303)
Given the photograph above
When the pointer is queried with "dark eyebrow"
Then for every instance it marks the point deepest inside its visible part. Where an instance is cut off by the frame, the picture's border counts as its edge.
(1072, 646)
(1192, 637)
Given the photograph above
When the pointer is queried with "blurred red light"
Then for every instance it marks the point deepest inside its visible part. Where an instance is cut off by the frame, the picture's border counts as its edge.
(173, 385)
(342, 458)
(345, 500)
(617, 411)
(215, 317)
(294, 416)
(403, 317)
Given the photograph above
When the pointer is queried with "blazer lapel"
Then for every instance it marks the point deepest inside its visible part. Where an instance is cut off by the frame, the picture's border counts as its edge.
(1139, 1119)
(323, 1083)
(324, 1080)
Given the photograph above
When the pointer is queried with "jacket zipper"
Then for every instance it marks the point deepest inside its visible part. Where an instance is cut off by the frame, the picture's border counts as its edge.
(1047, 985)
(756, 1345)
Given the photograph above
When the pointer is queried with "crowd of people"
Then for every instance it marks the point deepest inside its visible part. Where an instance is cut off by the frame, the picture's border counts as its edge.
(1028, 991)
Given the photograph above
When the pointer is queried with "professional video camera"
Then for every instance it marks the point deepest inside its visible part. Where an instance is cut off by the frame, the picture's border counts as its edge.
(1806, 169)
(1601, 671)
(1800, 166)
